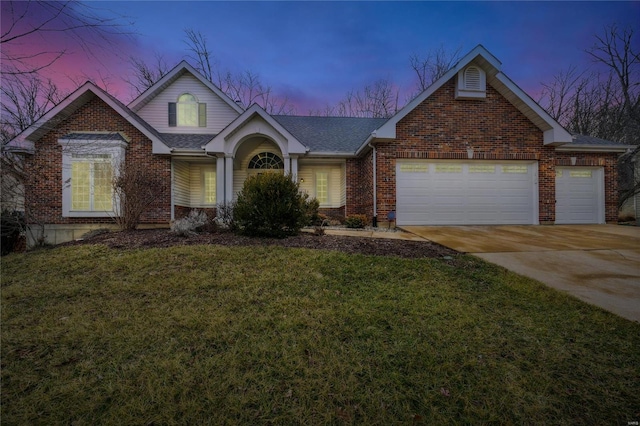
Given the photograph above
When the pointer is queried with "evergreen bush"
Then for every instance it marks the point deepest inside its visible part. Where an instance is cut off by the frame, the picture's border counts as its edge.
(271, 205)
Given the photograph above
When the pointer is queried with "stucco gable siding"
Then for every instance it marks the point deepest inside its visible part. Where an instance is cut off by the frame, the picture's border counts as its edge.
(219, 113)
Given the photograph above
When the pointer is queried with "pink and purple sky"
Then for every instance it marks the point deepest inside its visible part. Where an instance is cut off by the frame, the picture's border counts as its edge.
(315, 52)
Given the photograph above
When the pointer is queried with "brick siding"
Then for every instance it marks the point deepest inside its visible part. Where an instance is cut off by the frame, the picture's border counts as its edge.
(442, 127)
(43, 192)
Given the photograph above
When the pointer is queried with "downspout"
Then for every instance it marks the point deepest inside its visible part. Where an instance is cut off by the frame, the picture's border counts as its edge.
(375, 185)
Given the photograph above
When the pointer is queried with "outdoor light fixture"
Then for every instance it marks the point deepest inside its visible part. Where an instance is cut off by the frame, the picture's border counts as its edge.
(302, 180)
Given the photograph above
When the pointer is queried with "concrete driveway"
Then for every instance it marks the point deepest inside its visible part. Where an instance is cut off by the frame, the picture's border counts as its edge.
(599, 264)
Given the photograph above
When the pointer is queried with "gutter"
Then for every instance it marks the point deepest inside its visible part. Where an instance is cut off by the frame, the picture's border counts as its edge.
(593, 148)
(375, 188)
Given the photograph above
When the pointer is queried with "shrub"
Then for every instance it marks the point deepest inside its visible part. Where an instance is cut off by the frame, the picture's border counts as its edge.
(271, 205)
(190, 224)
(224, 217)
(12, 228)
(356, 221)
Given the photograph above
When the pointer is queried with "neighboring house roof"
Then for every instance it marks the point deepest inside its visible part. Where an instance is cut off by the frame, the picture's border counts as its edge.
(330, 134)
(170, 77)
(553, 132)
(186, 141)
(25, 140)
(590, 143)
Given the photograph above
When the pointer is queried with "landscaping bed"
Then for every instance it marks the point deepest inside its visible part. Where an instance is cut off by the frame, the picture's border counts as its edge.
(363, 245)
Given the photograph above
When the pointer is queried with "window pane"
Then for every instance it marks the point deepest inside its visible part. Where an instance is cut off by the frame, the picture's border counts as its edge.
(102, 196)
(209, 187)
(80, 186)
(322, 187)
(187, 114)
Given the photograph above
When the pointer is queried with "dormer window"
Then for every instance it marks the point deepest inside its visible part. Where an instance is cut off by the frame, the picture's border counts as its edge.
(471, 83)
(187, 112)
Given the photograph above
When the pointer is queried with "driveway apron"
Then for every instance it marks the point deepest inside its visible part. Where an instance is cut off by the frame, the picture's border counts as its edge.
(598, 264)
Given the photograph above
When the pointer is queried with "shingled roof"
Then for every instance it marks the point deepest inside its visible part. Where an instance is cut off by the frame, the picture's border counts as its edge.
(330, 134)
(186, 141)
(590, 140)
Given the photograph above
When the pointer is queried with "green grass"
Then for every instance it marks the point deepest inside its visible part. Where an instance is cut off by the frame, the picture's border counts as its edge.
(216, 335)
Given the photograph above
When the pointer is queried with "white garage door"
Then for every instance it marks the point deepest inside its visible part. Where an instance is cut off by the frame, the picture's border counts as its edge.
(579, 195)
(466, 193)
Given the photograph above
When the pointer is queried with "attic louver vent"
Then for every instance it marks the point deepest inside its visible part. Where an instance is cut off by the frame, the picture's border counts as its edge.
(472, 79)
(471, 83)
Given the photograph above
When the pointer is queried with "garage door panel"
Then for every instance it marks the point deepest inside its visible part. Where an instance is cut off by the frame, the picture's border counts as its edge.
(465, 193)
(579, 195)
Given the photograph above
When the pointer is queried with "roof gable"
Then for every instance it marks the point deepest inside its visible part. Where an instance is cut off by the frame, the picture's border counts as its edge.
(228, 139)
(25, 141)
(179, 70)
(553, 132)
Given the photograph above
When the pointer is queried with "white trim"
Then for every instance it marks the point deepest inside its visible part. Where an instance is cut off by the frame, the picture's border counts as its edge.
(171, 76)
(232, 136)
(593, 148)
(115, 148)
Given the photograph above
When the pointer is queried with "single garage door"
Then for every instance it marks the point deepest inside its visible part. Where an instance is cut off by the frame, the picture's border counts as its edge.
(579, 195)
(466, 192)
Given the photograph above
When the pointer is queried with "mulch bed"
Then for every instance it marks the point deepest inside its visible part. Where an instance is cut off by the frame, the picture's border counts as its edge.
(373, 246)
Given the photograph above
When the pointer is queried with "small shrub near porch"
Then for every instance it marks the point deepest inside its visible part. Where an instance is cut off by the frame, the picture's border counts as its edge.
(271, 205)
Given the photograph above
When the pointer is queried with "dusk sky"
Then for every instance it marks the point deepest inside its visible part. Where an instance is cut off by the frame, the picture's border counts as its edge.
(315, 52)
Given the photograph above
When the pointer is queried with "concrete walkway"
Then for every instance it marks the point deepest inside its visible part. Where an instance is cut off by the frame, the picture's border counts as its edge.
(599, 264)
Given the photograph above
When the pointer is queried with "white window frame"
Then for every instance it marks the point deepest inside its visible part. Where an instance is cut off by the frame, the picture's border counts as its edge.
(115, 149)
(203, 173)
(196, 111)
(315, 186)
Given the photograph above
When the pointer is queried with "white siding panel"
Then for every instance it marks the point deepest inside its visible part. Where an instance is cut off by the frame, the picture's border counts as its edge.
(219, 113)
(181, 183)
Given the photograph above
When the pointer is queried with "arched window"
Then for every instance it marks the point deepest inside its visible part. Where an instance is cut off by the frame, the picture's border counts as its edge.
(187, 110)
(266, 161)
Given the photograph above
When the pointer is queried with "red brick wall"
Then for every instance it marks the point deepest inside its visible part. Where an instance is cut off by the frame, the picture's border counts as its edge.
(360, 186)
(43, 198)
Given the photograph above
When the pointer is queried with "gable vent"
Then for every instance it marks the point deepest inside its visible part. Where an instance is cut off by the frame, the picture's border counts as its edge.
(471, 83)
(472, 79)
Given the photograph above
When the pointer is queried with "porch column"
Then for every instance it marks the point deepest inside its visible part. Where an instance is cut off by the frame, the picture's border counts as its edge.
(294, 167)
(228, 179)
(287, 165)
(220, 199)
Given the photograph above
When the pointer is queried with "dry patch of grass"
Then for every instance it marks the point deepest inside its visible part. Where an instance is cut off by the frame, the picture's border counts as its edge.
(263, 335)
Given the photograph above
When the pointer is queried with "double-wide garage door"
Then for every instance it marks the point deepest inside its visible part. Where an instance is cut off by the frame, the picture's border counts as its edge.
(466, 192)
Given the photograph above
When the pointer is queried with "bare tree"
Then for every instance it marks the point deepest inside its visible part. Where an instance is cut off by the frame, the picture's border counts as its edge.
(605, 104)
(199, 51)
(146, 74)
(89, 28)
(432, 66)
(136, 190)
(615, 49)
(377, 100)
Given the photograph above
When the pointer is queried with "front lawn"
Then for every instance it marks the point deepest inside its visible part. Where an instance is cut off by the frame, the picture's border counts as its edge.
(272, 335)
